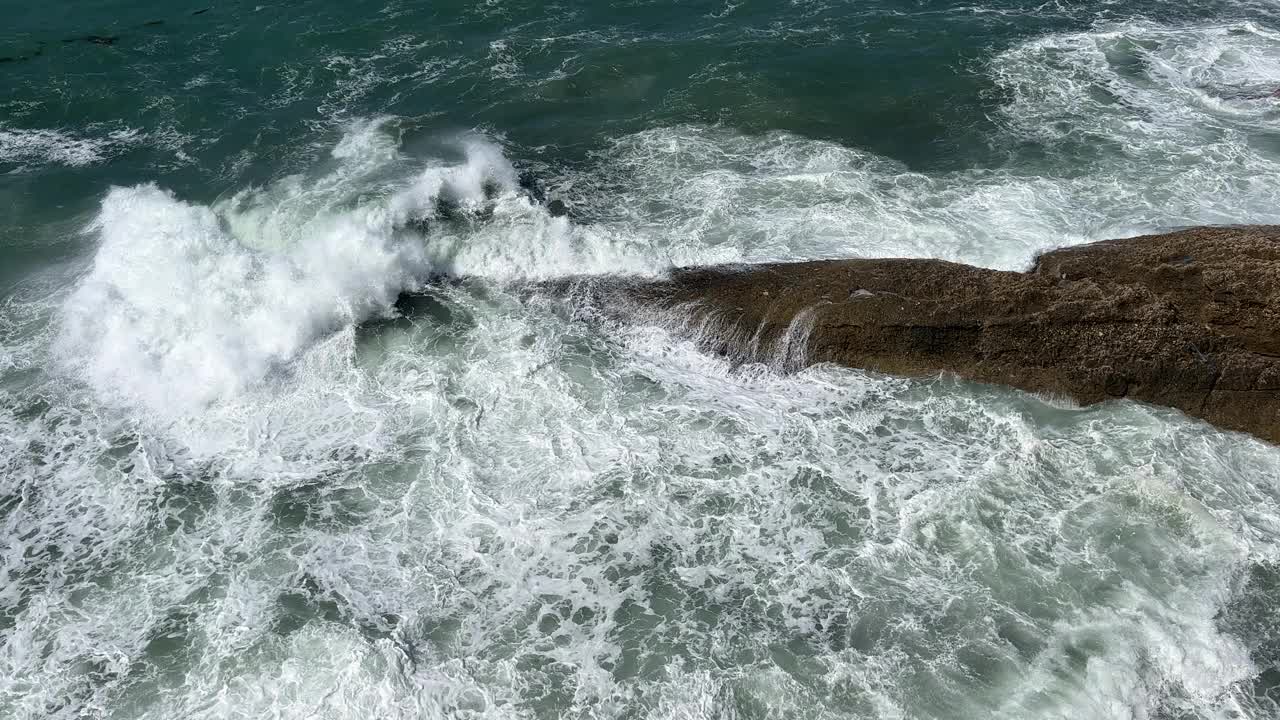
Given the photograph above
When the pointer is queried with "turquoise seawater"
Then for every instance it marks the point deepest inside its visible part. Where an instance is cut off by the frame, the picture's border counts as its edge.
(285, 434)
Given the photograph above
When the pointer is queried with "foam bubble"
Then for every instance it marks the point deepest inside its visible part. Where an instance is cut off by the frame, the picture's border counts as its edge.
(40, 146)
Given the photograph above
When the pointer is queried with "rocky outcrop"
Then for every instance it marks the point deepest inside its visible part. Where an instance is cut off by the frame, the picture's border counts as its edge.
(1189, 319)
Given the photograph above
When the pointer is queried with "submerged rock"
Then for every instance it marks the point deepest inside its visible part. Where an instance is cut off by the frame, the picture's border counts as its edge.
(1189, 319)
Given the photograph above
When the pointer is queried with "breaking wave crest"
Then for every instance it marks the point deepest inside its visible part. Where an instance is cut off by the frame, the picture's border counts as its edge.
(286, 495)
(187, 303)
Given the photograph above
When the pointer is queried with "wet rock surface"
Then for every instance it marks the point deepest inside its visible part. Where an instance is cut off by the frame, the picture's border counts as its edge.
(1189, 319)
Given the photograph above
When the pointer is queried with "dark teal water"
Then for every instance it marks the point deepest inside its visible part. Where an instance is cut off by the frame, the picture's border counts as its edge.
(244, 92)
(239, 479)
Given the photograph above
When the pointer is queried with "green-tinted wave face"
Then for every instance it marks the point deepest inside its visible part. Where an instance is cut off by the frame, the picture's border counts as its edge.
(284, 433)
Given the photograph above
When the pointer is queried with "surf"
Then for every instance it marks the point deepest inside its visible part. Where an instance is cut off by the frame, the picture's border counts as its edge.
(317, 444)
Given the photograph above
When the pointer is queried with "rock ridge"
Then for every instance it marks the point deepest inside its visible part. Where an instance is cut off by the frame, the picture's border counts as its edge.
(1187, 319)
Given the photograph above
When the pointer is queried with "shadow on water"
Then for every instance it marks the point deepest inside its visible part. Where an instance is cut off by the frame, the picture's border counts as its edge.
(308, 601)
(1254, 619)
(319, 504)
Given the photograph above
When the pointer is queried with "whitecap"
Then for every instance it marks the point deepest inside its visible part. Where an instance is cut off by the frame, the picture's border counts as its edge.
(41, 146)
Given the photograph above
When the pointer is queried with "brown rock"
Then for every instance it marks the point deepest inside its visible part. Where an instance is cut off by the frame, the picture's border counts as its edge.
(1189, 319)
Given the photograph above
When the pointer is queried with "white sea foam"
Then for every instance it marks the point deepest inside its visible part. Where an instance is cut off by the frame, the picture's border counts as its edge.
(1162, 128)
(25, 147)
(397, 63)
(1171, 99)
(489, 510)
(505, 511)
(186, 304)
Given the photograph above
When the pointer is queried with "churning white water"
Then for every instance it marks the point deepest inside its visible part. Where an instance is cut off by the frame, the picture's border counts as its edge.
(239, 480)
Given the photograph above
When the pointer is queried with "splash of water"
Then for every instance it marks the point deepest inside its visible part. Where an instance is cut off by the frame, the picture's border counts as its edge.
(247, 487)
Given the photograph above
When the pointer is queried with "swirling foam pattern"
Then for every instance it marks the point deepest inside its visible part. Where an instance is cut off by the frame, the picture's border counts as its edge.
(237, 479)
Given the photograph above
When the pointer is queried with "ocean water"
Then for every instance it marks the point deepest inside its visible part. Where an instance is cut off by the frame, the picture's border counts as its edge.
(284, 433)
